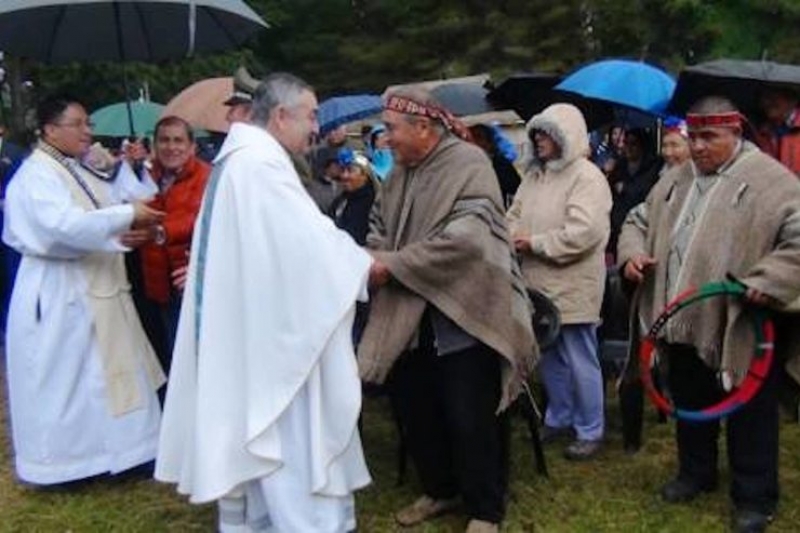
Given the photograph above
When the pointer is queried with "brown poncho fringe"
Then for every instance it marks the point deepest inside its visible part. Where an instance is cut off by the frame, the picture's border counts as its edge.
(441, 231)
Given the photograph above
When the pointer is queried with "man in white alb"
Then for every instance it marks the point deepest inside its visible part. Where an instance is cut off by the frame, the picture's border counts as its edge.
(264, 396)
(81, 374)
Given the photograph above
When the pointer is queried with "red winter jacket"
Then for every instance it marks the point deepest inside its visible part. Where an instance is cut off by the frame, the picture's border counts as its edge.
(181, 203)
(786, 147)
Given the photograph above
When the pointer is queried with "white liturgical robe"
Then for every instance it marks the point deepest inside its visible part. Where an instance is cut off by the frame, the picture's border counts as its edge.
(264, 390)
(81, 374)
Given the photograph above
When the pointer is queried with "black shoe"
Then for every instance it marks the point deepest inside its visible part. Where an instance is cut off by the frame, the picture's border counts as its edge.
(749, 521)
(681, 491)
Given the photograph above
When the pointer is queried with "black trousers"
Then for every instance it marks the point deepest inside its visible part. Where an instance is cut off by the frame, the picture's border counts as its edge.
(458, 444)
(751, 432)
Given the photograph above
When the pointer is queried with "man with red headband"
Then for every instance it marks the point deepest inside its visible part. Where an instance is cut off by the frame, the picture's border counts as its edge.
(733, 211)
(450, 318)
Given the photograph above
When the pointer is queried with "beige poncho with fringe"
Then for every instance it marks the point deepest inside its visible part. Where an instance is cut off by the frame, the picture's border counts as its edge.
(440, 229)
(750, 229)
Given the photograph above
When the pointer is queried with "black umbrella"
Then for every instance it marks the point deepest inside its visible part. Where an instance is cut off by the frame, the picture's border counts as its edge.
(59, 31)
(739, 80)
(463, 99)
(530, 93)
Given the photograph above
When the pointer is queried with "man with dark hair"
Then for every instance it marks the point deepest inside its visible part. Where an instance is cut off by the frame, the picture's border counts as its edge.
(181, 179)
(262, 409)
(733, 211)
(81, 373)
(450, 323)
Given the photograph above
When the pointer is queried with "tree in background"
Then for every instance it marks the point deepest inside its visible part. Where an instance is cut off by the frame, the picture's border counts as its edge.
(349, 45)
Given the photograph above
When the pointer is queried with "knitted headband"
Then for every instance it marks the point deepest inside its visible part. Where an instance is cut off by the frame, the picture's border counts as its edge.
(730, 119)
(407, 106)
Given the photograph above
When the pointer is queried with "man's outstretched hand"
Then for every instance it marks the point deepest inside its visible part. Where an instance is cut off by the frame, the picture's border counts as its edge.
(379, 273)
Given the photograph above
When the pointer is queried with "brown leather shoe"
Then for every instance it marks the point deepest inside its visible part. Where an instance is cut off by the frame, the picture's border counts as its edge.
(423, 509)
(481, 526)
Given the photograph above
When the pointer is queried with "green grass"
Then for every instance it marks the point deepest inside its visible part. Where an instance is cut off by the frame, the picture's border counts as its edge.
(615, 493)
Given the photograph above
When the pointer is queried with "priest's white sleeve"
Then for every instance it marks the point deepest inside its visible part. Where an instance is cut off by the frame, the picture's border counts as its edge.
(42, 219)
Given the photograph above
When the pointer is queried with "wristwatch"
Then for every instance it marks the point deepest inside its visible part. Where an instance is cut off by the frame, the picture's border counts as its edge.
(161, 236)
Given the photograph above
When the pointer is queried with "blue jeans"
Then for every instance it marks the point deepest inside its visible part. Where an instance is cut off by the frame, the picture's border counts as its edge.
(570, 370)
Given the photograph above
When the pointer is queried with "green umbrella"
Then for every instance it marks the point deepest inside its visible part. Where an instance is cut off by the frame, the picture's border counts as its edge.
(112, 120)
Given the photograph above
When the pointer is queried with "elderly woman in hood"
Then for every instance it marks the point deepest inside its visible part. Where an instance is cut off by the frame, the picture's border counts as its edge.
(560, 223)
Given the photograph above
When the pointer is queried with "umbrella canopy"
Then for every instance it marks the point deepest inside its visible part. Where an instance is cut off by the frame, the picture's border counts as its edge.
(202, 104)
(340, 110)
(739, 80)
(530, 93)
(112, 120)
(623, 82)
(463, 99)
(59, 31)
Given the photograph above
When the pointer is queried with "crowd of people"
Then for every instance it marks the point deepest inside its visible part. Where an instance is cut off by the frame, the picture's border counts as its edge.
(266, 287)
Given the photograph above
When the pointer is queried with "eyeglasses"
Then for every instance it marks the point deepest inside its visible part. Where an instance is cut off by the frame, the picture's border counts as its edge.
(75, 124)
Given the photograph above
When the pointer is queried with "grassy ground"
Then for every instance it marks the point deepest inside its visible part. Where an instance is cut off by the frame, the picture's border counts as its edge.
(616, 493)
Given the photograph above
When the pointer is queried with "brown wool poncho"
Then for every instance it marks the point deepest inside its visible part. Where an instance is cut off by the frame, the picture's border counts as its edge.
(440, 229)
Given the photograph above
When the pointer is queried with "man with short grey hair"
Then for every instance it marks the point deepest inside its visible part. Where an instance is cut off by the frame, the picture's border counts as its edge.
(264, 397)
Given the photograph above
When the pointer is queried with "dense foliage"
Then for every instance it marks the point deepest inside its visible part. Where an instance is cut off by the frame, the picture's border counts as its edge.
(364, 45)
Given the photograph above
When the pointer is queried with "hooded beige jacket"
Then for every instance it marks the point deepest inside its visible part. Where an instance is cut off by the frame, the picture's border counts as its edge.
(563, 206)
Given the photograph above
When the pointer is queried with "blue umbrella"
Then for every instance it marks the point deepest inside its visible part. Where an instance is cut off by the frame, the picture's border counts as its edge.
(624, 82)
(339, 110)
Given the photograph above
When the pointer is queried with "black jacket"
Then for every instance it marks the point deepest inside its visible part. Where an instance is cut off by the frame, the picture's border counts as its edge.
(350, 211)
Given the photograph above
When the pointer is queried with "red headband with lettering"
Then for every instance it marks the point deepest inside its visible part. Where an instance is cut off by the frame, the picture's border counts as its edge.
(407, 106)
(731, 119)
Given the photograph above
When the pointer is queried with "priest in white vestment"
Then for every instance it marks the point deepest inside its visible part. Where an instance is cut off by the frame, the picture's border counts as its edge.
(81, 374)
(264, 397)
